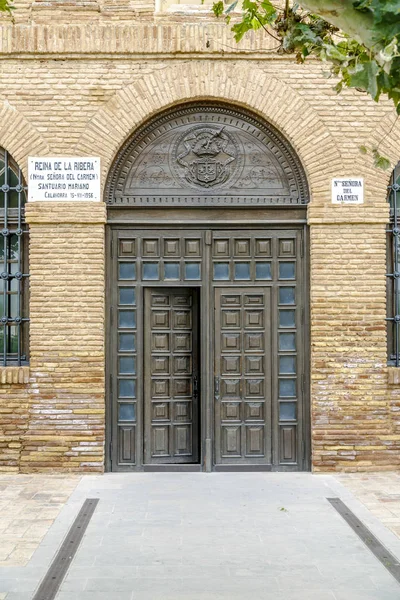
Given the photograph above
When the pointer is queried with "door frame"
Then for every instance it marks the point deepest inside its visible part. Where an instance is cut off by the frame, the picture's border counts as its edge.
(263, 220)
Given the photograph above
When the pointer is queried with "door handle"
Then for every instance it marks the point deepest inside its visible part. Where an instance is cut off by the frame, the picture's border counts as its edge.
(216, 388)
(195, 387)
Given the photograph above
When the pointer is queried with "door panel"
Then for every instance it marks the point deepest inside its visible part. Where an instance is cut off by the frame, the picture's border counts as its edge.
(243, 375)
(256, 346)
(171, 376)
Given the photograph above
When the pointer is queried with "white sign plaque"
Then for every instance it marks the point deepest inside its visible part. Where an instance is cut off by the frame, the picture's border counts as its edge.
(65, 179)
(348, 190)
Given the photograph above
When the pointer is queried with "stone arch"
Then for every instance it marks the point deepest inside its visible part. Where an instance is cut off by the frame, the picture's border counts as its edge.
(19, 137)
(238, 84)
(195, 153)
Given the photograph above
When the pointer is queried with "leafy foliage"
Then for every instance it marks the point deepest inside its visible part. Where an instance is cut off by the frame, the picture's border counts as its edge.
(380, 162)
(371, 66)
(5, 6)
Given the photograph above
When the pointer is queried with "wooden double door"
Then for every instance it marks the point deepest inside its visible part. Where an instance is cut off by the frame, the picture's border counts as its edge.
(207, 350)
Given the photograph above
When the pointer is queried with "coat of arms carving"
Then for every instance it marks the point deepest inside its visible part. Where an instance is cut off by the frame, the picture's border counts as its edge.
(206, 155)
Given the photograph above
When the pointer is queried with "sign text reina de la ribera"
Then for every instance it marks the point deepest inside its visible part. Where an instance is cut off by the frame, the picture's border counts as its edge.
(65, 179)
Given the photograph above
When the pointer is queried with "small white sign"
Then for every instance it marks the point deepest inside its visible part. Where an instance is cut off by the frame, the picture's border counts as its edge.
(348, 190)
(63, 179)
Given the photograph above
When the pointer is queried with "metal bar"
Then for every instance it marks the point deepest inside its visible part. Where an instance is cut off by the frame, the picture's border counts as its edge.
(5, 189)
(5, 262)
(58, 569)
(396, 270)
(12, 224)
(389, 561)
(393, 230)
(4, 315)
(19, 281)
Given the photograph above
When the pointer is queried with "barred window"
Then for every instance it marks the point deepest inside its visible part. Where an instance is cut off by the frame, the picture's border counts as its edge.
(393, 269)
(14, 264)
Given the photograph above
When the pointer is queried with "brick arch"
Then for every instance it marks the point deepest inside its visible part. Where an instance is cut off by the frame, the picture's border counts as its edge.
(251, 88)
(19, 137)
(387, 136)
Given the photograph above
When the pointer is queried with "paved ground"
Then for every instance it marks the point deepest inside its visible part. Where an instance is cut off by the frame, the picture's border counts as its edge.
(29, 504)
(219, 536)
(379, 492)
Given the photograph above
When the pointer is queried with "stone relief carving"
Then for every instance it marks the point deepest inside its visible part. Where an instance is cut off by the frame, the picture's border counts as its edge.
(206, 155)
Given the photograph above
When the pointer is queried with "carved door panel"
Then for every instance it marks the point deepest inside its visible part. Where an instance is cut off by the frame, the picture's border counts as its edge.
(243, 376)
(171, 376)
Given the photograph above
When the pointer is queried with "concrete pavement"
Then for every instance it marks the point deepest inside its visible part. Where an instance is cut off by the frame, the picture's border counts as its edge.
(220, 536)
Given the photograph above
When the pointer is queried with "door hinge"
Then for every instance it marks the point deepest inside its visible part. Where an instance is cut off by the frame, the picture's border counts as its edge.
(111, 315)
(112, 248)
(303, 450)
(302, 383)
(208, 237)
(302, 244)
(110, 451)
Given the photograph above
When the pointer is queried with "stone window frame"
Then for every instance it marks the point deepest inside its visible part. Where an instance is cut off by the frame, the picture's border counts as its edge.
(14, 257)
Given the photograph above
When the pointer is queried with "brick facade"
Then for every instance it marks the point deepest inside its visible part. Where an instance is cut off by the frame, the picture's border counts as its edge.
(78, 80)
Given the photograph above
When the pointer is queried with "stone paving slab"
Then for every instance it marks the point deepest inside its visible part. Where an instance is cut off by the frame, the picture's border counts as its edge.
(29, 505)
(220, 536)
(379, 492)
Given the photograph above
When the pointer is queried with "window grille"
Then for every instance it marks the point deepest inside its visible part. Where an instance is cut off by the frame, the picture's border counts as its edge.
(393, 264)
(13, 263)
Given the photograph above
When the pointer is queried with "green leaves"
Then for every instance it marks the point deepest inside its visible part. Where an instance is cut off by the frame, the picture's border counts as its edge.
(254, 16)
(269, 10)
(374, 69)
(6, 7)
(380, 162)
(217, 8)
(372, 66)
(386, 17)
(364, 76)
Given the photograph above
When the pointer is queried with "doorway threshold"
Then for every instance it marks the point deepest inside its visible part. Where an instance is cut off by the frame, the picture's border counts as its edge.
(244, 468)
(172, 468)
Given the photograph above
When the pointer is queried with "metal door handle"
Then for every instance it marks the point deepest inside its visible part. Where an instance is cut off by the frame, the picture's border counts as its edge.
(195, 387)
(216, 388)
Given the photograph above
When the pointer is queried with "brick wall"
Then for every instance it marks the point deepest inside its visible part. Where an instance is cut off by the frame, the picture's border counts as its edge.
(82, 88)
(352, 424)
(56, 420)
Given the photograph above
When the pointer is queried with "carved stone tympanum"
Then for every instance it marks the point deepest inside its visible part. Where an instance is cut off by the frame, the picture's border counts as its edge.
(206, 155)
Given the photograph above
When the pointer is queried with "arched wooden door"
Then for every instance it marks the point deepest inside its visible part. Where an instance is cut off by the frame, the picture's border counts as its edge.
(207, 287)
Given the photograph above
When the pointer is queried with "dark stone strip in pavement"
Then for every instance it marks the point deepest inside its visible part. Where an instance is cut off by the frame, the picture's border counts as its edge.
(51, 582)
(377, 548)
